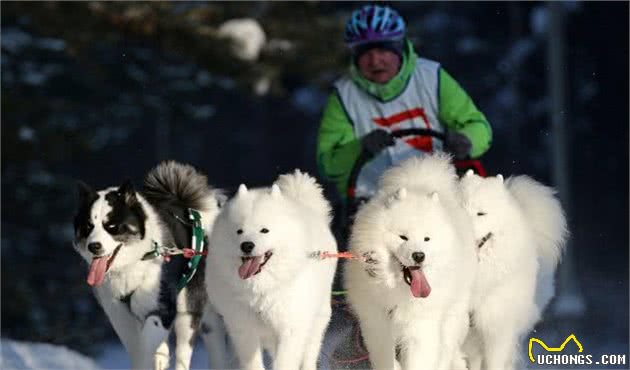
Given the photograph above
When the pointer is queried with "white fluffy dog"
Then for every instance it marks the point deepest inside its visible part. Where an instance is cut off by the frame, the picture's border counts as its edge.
(273, 294)
(520, 230)
(411, 290)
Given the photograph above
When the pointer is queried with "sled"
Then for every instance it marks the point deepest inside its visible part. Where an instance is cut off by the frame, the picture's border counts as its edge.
(353, 202)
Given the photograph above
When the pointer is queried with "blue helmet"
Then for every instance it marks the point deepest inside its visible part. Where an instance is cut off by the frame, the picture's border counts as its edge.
(374, 23)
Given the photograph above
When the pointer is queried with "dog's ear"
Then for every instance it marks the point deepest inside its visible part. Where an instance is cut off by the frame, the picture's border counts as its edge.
(275, 190)
(242, 190)
(85, 192)
(435, 197)
(469, 173)
(128, 192)
(221, 199)
(399, 194)
(500, 178)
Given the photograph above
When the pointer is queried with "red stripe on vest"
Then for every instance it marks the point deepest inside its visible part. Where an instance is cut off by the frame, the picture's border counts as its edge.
(424, 143)
(400, 117)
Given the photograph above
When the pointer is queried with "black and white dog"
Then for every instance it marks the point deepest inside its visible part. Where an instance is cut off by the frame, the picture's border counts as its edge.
(133, 243)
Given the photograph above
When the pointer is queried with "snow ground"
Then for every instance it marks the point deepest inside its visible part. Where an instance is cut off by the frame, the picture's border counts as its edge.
(339, 344)
(31, 356)
(602, 330)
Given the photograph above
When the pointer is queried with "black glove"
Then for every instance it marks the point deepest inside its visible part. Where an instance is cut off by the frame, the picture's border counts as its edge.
(376, 141)
(458, 144)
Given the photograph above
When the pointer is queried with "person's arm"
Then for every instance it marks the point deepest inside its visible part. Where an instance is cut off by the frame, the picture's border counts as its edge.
(337, 146)
(458, 113)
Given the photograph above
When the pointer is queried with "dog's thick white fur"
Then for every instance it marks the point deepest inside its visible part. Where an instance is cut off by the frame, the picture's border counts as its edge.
(415, 222)
(273, 294)
(520, 230)
(120, 226)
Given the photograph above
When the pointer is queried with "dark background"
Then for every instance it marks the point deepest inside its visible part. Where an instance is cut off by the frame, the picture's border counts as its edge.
(103, 91)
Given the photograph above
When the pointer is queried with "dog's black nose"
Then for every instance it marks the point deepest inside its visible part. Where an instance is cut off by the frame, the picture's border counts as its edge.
(247, 247)
(418, 256)
(95, 248)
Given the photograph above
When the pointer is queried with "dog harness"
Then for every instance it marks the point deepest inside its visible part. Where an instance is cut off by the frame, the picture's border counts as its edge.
(194, 254)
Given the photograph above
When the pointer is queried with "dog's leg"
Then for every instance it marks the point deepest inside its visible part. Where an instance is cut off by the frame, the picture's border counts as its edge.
(125, 324)
(185, 330)
(152, 336)
(247, 342)
(501, 340)
(162, 357)
(500, 349)
(378, 337)
(290, 350)
(314, 344)
(454, 332)
(215, 339)
(473, 349)
(421, 349)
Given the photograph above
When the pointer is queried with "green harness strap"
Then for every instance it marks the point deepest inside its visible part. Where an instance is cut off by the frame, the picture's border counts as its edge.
(198, 244)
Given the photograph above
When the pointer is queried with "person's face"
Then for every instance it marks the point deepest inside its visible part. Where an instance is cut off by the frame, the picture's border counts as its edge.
(379, 65)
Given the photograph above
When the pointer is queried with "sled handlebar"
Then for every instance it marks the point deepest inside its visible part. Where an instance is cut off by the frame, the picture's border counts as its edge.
(365, 156)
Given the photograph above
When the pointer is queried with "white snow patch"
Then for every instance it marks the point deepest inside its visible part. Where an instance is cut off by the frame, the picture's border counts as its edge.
(201, 112)
(538, 20)
(279, 45)
(33, 356)
(435, 21)
(469, 45)
(14, 39)
(262, 86)
(517, 55)
(203, 78)
(52, 44)
(26, 133)
(247, 35)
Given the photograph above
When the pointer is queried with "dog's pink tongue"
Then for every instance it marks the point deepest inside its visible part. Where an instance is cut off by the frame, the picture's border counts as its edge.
(249, 267)
(419, 285)
(97, 271)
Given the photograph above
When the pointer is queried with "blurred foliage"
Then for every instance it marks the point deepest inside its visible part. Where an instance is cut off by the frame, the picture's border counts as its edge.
(189, 30)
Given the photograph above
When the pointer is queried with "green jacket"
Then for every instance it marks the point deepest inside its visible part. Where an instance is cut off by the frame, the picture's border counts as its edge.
(338, 147)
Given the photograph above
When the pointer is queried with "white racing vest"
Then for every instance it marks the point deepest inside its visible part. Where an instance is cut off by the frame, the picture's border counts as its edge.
(415, 107)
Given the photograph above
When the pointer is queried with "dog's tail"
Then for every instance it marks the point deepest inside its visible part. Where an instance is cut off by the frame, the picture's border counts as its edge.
(173, 183)
(304, 189)
(430, 173)
(544, 214)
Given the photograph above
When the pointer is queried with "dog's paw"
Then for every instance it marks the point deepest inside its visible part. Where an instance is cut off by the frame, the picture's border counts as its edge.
(459, 363)
(161, 361)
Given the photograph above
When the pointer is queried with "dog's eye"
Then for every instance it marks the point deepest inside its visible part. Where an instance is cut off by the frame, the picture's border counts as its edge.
(426, 238)
(113, 228)
(403, 237)
(264, 230)
(239, 231)
(481, 213)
